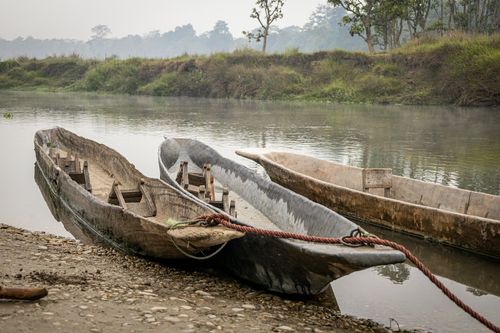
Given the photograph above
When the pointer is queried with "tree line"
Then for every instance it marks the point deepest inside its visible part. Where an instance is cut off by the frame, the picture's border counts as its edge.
(386, 23)
(322, 31)
(340, 24)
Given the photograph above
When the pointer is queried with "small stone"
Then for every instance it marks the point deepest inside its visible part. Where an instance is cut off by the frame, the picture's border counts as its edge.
(237, 309)
(159, 308)
(171, 319)
(83, 307)
(248, 306)
(150, 319)
(211, 316)
(42, 247)
(186, 307)
(285, 328)
(202, 293)
(48, 313)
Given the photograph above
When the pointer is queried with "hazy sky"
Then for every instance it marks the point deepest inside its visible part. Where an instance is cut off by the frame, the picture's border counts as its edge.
(75, 18)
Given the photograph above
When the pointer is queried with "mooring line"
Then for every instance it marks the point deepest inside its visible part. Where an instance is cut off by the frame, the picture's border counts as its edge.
(355, 240)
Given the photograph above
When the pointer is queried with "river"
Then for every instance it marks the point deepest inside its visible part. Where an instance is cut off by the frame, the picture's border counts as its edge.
(453, 146)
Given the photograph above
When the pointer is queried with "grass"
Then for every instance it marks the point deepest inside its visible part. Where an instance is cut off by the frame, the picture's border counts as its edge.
(455, 69)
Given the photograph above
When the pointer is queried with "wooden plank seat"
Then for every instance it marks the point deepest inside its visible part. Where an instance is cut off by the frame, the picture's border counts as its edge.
(202, 185)
(83, 177)
(137, 200)
(71, 166)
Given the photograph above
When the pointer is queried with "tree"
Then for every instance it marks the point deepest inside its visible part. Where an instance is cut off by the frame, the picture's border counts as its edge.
(266, 12)
(220, 38)
(361, 14)
(100, 31)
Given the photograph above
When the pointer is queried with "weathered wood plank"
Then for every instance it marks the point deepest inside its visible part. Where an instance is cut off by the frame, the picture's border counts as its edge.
(225, 199)
(119, 196)
(86, 175)
(147, 198)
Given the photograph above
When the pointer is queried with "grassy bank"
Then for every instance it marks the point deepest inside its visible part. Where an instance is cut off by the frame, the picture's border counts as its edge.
(460, 69)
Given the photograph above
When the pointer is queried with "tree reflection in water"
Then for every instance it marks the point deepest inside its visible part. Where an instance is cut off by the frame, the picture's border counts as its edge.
(397, 273)
(476, 292)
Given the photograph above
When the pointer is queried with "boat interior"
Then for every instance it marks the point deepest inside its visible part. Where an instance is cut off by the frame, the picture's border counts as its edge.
(104, 185)
(112, 179)
(381, 182)
(200, 182)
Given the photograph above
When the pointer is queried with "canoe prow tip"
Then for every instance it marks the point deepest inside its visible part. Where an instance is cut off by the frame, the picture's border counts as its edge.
(247, 153)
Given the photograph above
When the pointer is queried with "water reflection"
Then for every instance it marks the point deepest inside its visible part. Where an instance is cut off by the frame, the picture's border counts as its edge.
(397, 273)
(70, 223)
(467, 268)
(453, 146)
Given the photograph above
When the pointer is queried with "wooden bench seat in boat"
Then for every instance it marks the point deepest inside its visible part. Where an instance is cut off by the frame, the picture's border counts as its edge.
(72, 167)
(137, 200)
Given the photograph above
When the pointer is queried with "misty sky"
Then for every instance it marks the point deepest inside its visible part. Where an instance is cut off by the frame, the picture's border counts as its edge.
(75, 18)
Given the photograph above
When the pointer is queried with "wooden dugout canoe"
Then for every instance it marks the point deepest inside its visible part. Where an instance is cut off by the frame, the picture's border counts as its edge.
(460, 218)
(286, 266)
(118, 204)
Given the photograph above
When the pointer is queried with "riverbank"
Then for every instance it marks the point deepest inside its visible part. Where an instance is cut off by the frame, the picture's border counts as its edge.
(100, 290)
(458, 69)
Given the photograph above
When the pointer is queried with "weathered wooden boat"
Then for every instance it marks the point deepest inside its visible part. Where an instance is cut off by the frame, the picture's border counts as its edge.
(286, 266)
(118, 204)
(461, 218)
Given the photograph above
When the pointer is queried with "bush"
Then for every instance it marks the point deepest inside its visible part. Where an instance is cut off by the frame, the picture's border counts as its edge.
(113, 76)
(371, 85)
(7, 65)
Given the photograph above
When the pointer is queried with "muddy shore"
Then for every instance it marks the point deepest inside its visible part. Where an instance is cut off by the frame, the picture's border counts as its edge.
(97, 289)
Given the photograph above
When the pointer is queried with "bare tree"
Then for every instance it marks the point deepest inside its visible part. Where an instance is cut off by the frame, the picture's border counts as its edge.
(266, 12)
(100, 31)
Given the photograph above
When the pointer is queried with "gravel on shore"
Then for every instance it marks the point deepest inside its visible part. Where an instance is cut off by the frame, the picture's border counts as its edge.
(97, 289)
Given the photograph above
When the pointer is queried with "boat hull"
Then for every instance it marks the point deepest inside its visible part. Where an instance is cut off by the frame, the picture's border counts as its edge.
(471, 233)
(117, 226)
(284, 266)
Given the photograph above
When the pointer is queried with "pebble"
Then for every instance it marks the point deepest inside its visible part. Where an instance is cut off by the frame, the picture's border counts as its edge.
(249, 306)
(202, 293)
(42, 247)
(186, 307)
(83, 307)
(237, 309)
(285, 328)
(159, 308)
(171, 319)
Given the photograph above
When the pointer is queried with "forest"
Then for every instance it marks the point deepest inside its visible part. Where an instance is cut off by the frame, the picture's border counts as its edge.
(350, 51)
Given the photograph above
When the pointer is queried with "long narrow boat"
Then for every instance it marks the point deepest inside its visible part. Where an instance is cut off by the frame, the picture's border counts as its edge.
(122, 207)
(460, 218)
(287, 266)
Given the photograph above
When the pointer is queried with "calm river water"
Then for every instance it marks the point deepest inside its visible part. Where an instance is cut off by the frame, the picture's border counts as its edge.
(452, 146)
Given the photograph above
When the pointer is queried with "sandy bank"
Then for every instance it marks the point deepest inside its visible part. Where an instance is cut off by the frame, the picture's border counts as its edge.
(95, 289)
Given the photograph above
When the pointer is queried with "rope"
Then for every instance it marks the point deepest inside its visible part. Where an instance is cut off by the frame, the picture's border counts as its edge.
(181, 224)
(195, 257)
(370, 240)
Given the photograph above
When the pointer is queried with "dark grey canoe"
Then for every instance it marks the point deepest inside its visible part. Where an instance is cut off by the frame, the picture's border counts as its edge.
(286, 266)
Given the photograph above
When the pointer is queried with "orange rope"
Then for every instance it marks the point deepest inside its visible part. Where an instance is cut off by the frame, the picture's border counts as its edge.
(223, 220)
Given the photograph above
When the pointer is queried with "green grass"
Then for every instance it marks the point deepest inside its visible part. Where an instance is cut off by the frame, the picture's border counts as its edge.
(456, 69)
